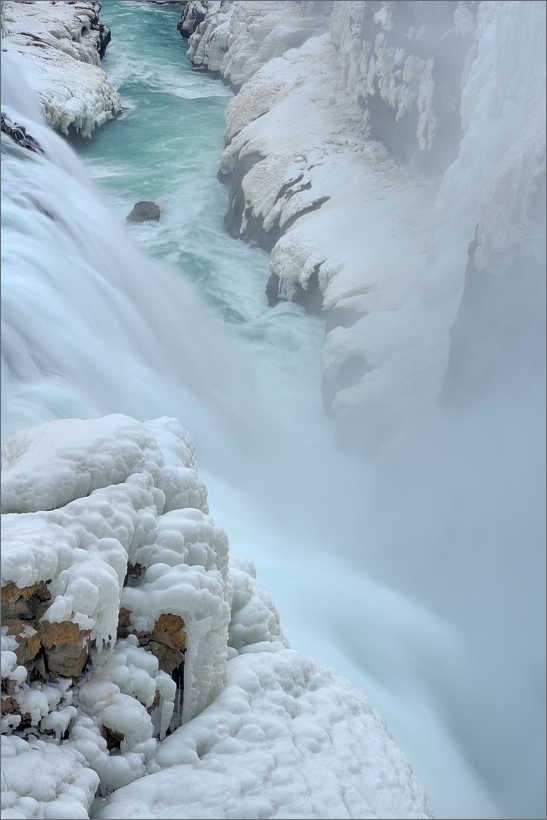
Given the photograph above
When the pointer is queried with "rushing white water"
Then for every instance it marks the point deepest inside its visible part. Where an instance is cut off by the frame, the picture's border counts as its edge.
(92, 326)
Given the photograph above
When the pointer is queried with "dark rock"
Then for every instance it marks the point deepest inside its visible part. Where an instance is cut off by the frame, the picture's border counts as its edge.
(133, 575)
(112, 737)
(18, 134)
(272, 290)
(145, 211)
(192, 16)
(236, 202)
(26, 604)
(311, 297)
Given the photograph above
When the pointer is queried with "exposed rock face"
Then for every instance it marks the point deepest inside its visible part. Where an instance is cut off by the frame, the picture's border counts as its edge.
(46, 649)
(146, 211)
(192, 15)
(167, 640)
(18, 133)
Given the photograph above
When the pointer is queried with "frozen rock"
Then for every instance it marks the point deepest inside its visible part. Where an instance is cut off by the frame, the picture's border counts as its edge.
(317, 138)
(141, 654)
(58, 48)
(286, 737)
(18, 133)
(236, 39)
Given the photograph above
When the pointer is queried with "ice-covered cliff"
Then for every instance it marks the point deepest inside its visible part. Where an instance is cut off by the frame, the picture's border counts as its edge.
(58, 48)
(133, 645)
(366, 143)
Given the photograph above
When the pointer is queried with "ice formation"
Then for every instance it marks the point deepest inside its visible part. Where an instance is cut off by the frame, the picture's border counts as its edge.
(133, 645)
(58, 48)
(318, 145)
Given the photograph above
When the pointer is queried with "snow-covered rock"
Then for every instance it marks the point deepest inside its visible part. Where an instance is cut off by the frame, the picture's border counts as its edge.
(286, 738)
(58, 48)
(236, 39)
(318, 144)
(136, 655)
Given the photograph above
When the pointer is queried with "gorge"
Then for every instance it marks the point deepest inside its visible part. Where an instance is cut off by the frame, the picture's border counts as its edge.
(387, 591)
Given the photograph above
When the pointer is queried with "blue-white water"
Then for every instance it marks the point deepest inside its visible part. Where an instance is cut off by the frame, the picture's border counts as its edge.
(93, 326)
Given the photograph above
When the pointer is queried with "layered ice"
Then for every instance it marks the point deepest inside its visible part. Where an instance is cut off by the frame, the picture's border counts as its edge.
(100, 521)
(57, 48)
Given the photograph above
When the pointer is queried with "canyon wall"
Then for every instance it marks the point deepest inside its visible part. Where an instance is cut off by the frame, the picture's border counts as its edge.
(367, 143)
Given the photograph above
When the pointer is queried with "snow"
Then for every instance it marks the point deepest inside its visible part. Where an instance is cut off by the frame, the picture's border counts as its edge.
(56, 51)
(387, 241)
(42, 779)
(312, 136)
(236, 39)
(263, 731)
(285, 738)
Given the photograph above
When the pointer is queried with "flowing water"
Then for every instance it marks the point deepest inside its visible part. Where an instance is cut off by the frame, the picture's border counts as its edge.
(94, 327)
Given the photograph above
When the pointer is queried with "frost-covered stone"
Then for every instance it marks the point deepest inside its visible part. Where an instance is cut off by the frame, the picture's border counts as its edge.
(286, 737)
(58, 48)
(141, 655)
(380, 246)
(236, 39)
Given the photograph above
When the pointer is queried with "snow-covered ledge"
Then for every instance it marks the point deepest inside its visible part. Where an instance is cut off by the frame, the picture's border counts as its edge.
(58, 48)
(338, 154)
(133, 644)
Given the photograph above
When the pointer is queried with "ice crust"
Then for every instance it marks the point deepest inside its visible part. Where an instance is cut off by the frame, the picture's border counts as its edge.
(56, 50)
(389, 243)
(286, 738)
(102, 511)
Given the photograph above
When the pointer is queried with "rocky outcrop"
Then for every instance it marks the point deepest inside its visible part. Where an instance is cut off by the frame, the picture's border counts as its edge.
(58, 48)
(18, 134)
(146, 211)
(233, 40)
(192, 15)
(124, 617)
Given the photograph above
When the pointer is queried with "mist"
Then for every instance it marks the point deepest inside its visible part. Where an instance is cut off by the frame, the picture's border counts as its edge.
(409, 555)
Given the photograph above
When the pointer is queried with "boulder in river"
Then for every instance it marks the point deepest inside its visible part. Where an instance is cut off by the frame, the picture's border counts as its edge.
(146, 211)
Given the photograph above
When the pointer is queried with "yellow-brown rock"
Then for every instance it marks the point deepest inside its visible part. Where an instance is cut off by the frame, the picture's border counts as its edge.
(66, 647)
(167, 641)
(28, 639)
(27, 604)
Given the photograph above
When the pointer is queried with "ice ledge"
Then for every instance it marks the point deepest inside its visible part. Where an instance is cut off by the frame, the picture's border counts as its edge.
(58, 48)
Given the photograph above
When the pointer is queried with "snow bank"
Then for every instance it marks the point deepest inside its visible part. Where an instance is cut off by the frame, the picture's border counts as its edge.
(286, 738)
(58, 48)
(236, 39)
(133, 646)
(41, 779)
(318, 142)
